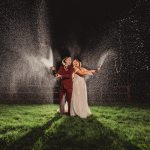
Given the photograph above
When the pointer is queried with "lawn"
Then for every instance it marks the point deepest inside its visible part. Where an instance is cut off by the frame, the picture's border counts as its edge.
(38, 127)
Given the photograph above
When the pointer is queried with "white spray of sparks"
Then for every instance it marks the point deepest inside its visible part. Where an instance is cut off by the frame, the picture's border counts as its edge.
(106, 55)
(103, 58)
(48, 62)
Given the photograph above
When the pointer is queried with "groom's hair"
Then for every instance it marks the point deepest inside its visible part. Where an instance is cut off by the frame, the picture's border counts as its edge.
(64, 59)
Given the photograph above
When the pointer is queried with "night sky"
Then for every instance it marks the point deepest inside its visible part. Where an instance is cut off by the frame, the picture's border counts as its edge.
(86, 19)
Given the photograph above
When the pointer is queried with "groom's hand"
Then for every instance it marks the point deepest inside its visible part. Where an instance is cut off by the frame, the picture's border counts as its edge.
(58, 76)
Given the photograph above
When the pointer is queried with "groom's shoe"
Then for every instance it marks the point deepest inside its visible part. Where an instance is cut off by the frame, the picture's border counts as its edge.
(66, 113)
(62, 114)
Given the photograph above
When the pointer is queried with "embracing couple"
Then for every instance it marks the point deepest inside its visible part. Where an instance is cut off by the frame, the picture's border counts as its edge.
(73, 87)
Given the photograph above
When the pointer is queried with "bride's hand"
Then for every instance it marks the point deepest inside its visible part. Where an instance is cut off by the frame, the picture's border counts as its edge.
(93, 71)
(76, 70)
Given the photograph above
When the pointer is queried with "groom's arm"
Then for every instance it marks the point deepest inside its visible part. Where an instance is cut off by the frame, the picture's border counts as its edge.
(65, 76)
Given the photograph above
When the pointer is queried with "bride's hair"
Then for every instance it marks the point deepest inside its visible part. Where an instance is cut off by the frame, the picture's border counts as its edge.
(80, 64)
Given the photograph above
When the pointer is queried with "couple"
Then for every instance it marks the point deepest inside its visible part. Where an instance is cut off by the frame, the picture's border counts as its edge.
(73, 88)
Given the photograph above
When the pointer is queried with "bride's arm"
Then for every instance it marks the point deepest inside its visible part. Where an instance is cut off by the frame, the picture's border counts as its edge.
(89, 71)
(84, 71)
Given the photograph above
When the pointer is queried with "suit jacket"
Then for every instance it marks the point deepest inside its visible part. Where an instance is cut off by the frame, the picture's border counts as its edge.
(66, 80)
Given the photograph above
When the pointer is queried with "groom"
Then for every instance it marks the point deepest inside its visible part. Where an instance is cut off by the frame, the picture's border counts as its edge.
(65, 75)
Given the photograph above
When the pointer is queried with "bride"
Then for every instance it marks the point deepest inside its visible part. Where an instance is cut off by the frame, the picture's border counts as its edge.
(79, 104)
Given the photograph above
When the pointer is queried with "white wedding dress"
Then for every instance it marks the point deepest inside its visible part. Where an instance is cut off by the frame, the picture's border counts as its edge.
(79, 103)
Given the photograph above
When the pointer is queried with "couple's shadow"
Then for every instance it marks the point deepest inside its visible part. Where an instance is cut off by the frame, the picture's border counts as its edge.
(72, 133)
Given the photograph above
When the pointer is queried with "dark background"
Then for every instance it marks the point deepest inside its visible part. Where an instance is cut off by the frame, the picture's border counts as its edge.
(84, 20)
(87, 29)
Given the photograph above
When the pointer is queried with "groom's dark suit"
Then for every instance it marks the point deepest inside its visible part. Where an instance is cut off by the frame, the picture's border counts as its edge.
(66, 84)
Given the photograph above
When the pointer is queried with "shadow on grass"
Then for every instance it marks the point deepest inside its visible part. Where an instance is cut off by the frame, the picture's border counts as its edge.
(27, 141)
(72, 133)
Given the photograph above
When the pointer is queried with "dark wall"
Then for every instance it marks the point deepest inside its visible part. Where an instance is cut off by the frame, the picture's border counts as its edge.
(91, 28)
(87, 29)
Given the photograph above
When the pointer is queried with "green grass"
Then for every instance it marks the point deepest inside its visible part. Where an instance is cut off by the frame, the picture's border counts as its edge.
(37, 127)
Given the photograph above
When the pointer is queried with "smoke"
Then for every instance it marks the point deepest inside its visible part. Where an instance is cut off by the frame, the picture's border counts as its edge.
(28, 58)
(30, 71)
